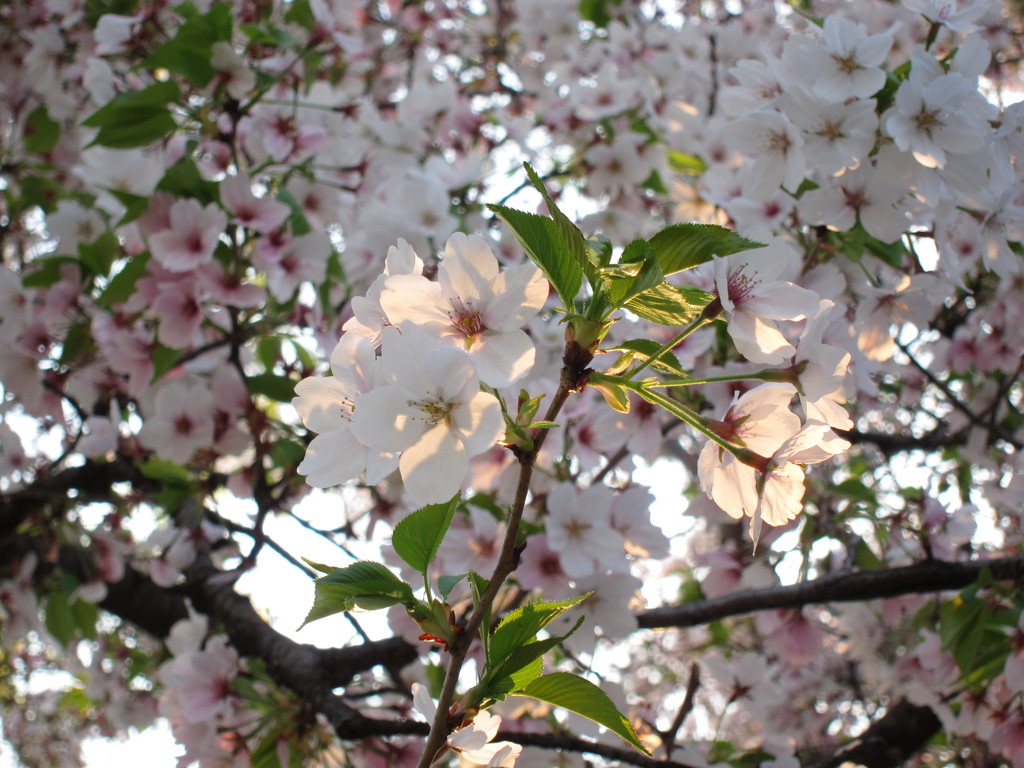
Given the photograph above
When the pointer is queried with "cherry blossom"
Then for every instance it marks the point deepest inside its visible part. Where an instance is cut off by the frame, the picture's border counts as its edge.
(473, 742)
(326, 405)
(781, 488)
(753, 299)
(475, 306)
(760, 421)
(181, 421)
(430, 410)
(848, 63)
(192, 233)
(579, 528)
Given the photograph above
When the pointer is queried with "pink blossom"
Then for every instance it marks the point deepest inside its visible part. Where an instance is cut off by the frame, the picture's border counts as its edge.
(181, 420)
(191, 237)
(261, 213)
(753, 300)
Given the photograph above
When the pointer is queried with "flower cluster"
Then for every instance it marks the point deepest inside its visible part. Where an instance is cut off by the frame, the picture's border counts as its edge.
(423, 403)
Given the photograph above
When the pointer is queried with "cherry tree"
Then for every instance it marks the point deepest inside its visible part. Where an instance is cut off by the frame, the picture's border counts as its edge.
(649, 373)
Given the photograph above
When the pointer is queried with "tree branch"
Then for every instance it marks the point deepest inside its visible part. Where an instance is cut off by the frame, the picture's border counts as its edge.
(570, 743)
(898, 735)
(843, 587)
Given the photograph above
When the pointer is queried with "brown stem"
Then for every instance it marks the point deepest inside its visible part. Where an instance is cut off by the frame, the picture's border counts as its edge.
(575, 361)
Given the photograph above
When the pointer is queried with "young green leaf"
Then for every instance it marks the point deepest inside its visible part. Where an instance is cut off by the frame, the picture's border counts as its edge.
(668, 304)
(641, 350)
(523, 624)
(135, 118)
(581, 696)
(546, 248)
(41, 133)
(445, 584)
(639, 271)
(682, 246)
(279, 388)
(570, 233)
(613, 394)
(417, 537)
(520, 667)
(122, 285)
(365, 584)
(190, 51)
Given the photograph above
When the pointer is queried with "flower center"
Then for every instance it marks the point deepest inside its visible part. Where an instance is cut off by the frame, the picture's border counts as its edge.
(741, 286)
(434, 411)
(468, 321)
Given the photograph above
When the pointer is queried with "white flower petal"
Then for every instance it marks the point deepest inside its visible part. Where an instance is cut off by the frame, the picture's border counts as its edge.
(434, 468)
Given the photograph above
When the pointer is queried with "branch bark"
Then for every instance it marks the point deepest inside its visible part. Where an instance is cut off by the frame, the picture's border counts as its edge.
(843, 587)
(902, 732)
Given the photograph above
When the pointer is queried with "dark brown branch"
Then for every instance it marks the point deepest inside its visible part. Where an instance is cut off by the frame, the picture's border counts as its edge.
(304, 669)
(894, 443)
(903, 731)
(843, 587)
(92, 480)
(569, 743)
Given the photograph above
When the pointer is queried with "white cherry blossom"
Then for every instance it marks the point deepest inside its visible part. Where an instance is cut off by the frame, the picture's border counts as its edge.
(753, 299)
(474, 743)
(474, 306)
(430, 410)
(326, 405)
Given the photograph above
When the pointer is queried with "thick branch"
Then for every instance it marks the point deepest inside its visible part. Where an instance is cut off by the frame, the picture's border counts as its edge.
(92, 480)
(844, 587)
(304, 669)
(903, 731)
(568, 743)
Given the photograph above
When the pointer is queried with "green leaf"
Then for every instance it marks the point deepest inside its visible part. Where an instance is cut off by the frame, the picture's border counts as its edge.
(190, 51)
(287, 453)
(682, 246)
(602, 247)
(40, 133)
(638, 271)
(77, 341)
(99, 256)
(85, 615)
(522, 666)
(122, 285)
(570, 233)
(134, 205)
(654, 183)
(59, 618)
(275, 36)
(165, 471)
(184, 180)
(297, 219)
(268, 352)
(540, 239)
(575, 694)
(642, 349)
(613, 394)
(690, 165)
(46, 272)
(301, 14)
(135, 118)
(417, 537)
(891, 253)
(164, 359)
(280, 388)
(320, 566)
(41, 191)
(596, 11)
(445, 584)
(668, 304)
(365, 584)
(523, 624)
